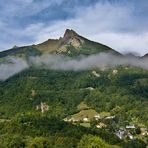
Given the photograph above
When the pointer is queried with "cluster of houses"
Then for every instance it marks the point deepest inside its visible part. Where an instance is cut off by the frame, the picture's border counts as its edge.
(121, 133)
(125, 132)
(86, 119)
(83, 119)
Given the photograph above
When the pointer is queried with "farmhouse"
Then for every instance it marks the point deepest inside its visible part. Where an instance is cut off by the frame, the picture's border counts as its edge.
(130, 127)
(115, 71)
(85, 119)
(97, 116)
(95, 74)
(101, 125)
(110, 117)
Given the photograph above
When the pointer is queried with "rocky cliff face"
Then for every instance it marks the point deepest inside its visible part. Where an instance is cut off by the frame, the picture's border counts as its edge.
(60, 45)
(72, 38)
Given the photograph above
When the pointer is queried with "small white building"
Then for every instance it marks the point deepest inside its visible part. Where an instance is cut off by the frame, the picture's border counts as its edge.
(130, 136)
(98, 126)
(70, 119)
(95, 74)
(97, 117)
(90, 88)
(101, 125)
(115, 71)
(120, 134)
(130, 126)
(85, 119)
(110, 117)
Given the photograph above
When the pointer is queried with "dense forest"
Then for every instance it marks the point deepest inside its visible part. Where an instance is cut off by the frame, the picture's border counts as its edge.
(121, 91)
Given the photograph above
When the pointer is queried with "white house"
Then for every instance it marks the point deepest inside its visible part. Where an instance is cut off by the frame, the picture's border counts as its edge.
(85, 119)
(90, 88)
(120, 134)
(97, 117)
(130, 126)
(115, 71)
(130, 136)
(95, 74)
(110, 117)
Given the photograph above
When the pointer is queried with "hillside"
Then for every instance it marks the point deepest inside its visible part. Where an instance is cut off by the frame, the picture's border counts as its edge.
(54, 104)
(123, 94)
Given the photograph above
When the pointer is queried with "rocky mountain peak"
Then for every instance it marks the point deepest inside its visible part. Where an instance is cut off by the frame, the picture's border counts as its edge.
(73, 43)
(72, 38)
(69, 34)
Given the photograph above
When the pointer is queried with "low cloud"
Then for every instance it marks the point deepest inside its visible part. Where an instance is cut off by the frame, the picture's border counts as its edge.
(101, 61)
(61, 62)
(11, 67)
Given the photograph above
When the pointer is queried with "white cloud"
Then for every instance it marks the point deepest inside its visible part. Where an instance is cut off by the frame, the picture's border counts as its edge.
(60, 62)
(21, 8)
(13, 66)
(112, 24)
(124, 42)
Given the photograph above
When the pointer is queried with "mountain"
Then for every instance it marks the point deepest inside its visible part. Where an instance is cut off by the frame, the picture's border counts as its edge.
(61, 108)
(70, 44)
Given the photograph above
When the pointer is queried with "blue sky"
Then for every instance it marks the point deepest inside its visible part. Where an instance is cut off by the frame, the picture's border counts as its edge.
(121, 24)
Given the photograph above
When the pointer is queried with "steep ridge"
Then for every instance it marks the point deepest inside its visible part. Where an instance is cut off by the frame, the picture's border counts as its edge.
(71, 44)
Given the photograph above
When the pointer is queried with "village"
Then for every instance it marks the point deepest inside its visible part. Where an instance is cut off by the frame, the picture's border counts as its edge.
(88, 118)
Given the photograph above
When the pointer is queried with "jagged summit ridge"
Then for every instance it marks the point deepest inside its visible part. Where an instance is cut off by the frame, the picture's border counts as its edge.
(71, 44)
(70, 38)
(69, 33)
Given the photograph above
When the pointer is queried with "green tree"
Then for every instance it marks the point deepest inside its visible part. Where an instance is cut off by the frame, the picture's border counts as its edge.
(90, 141)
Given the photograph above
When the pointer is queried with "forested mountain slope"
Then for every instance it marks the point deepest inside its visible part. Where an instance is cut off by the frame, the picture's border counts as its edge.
(58, 107)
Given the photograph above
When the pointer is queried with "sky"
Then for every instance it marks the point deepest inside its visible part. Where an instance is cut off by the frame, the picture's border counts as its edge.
(120, 24)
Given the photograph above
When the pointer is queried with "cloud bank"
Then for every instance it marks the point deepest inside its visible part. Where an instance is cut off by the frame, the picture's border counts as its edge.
(11, 67)
(101, 61)
(61, 62)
